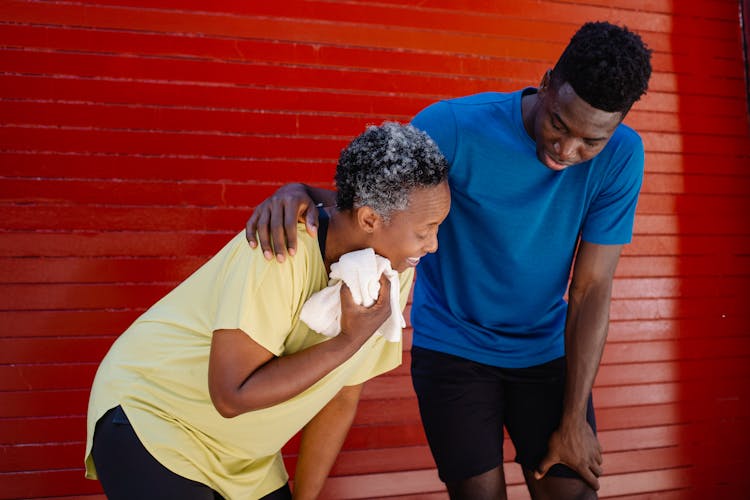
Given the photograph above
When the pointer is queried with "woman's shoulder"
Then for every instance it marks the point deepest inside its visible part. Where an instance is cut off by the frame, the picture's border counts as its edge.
(308, 246)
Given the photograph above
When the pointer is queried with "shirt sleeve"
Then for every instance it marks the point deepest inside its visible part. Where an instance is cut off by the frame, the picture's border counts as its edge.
(384, 355)
(611, 215)
(438, 121)
(259, 297)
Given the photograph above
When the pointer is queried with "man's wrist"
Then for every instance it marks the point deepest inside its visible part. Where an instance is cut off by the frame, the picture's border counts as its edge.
(572, 420)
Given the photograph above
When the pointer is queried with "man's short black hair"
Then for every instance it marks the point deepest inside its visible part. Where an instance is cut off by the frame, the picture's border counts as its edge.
(608, 66)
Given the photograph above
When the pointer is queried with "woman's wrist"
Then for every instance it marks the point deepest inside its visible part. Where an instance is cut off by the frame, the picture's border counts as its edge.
(347, 343)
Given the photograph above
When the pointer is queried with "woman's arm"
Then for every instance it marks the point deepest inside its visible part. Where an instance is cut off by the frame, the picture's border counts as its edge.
(322, 439)
(275, 219)
(244, 376)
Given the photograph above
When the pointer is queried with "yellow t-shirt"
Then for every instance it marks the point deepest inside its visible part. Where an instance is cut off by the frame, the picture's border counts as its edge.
(158, 368)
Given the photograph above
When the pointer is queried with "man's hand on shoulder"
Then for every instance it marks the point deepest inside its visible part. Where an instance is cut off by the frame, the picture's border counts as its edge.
(274, 221)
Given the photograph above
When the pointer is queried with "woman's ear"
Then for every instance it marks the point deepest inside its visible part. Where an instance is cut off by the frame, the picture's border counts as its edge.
(368, 220)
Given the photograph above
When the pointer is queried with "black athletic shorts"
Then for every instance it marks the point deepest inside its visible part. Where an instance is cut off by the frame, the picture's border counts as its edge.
(128, 471)
(465, 404)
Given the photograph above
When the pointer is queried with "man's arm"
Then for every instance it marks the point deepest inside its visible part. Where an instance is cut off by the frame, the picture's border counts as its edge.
(275, 219)
(574, 442)
(321, 442)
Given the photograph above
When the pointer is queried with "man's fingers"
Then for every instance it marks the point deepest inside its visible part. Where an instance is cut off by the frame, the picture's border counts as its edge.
(596, 469)
(277, 232)
(543, 467)
(290, 228)
(250, 228)
(589, 472)
(262, 226)
(590, 478)
(311, 220)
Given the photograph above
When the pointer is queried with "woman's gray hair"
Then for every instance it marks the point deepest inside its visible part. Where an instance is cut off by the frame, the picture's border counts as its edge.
(381, 167)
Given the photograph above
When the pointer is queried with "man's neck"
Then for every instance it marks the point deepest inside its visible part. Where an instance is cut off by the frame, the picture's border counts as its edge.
(529, 105)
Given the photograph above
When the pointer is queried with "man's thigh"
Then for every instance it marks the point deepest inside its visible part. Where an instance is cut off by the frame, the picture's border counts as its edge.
(534, 400)
(461, 405)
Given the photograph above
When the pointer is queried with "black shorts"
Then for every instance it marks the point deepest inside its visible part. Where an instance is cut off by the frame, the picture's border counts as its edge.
(127, 470)
(465, 404)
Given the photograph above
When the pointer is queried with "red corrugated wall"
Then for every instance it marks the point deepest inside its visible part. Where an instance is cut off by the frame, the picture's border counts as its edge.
(137, 136)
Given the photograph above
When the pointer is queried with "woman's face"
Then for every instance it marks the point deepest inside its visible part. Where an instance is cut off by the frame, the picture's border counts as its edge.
(412, 233)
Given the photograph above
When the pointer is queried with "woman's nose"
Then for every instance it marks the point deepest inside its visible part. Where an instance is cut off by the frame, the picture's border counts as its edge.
(432, 246)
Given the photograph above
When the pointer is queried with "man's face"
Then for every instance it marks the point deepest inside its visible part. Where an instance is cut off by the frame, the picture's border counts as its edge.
(567, 129)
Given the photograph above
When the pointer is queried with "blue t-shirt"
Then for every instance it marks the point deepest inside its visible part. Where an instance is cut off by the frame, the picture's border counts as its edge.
(493, 292)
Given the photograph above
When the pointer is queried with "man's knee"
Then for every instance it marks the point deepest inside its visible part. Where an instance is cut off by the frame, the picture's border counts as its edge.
(489, 485)
(559, 488)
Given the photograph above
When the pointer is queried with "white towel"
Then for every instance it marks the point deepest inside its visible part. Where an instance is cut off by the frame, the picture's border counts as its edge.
(361, 272)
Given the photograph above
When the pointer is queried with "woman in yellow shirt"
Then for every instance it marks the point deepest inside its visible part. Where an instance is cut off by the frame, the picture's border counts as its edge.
(196, 399)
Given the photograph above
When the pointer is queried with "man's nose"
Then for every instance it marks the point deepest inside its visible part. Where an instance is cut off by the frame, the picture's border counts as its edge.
(566, 149)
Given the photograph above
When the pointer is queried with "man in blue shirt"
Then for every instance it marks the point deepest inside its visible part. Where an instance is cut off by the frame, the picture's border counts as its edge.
(540, 179)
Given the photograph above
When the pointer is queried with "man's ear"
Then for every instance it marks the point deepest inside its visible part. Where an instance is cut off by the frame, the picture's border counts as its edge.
(368, 220)
(546, 81)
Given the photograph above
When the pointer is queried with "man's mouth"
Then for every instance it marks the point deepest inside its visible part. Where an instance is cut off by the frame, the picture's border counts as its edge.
(412, 261)
(550, 162)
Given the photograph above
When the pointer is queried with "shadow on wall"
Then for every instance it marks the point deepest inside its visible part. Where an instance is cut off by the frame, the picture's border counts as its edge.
(745, 20)
(712, 209)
